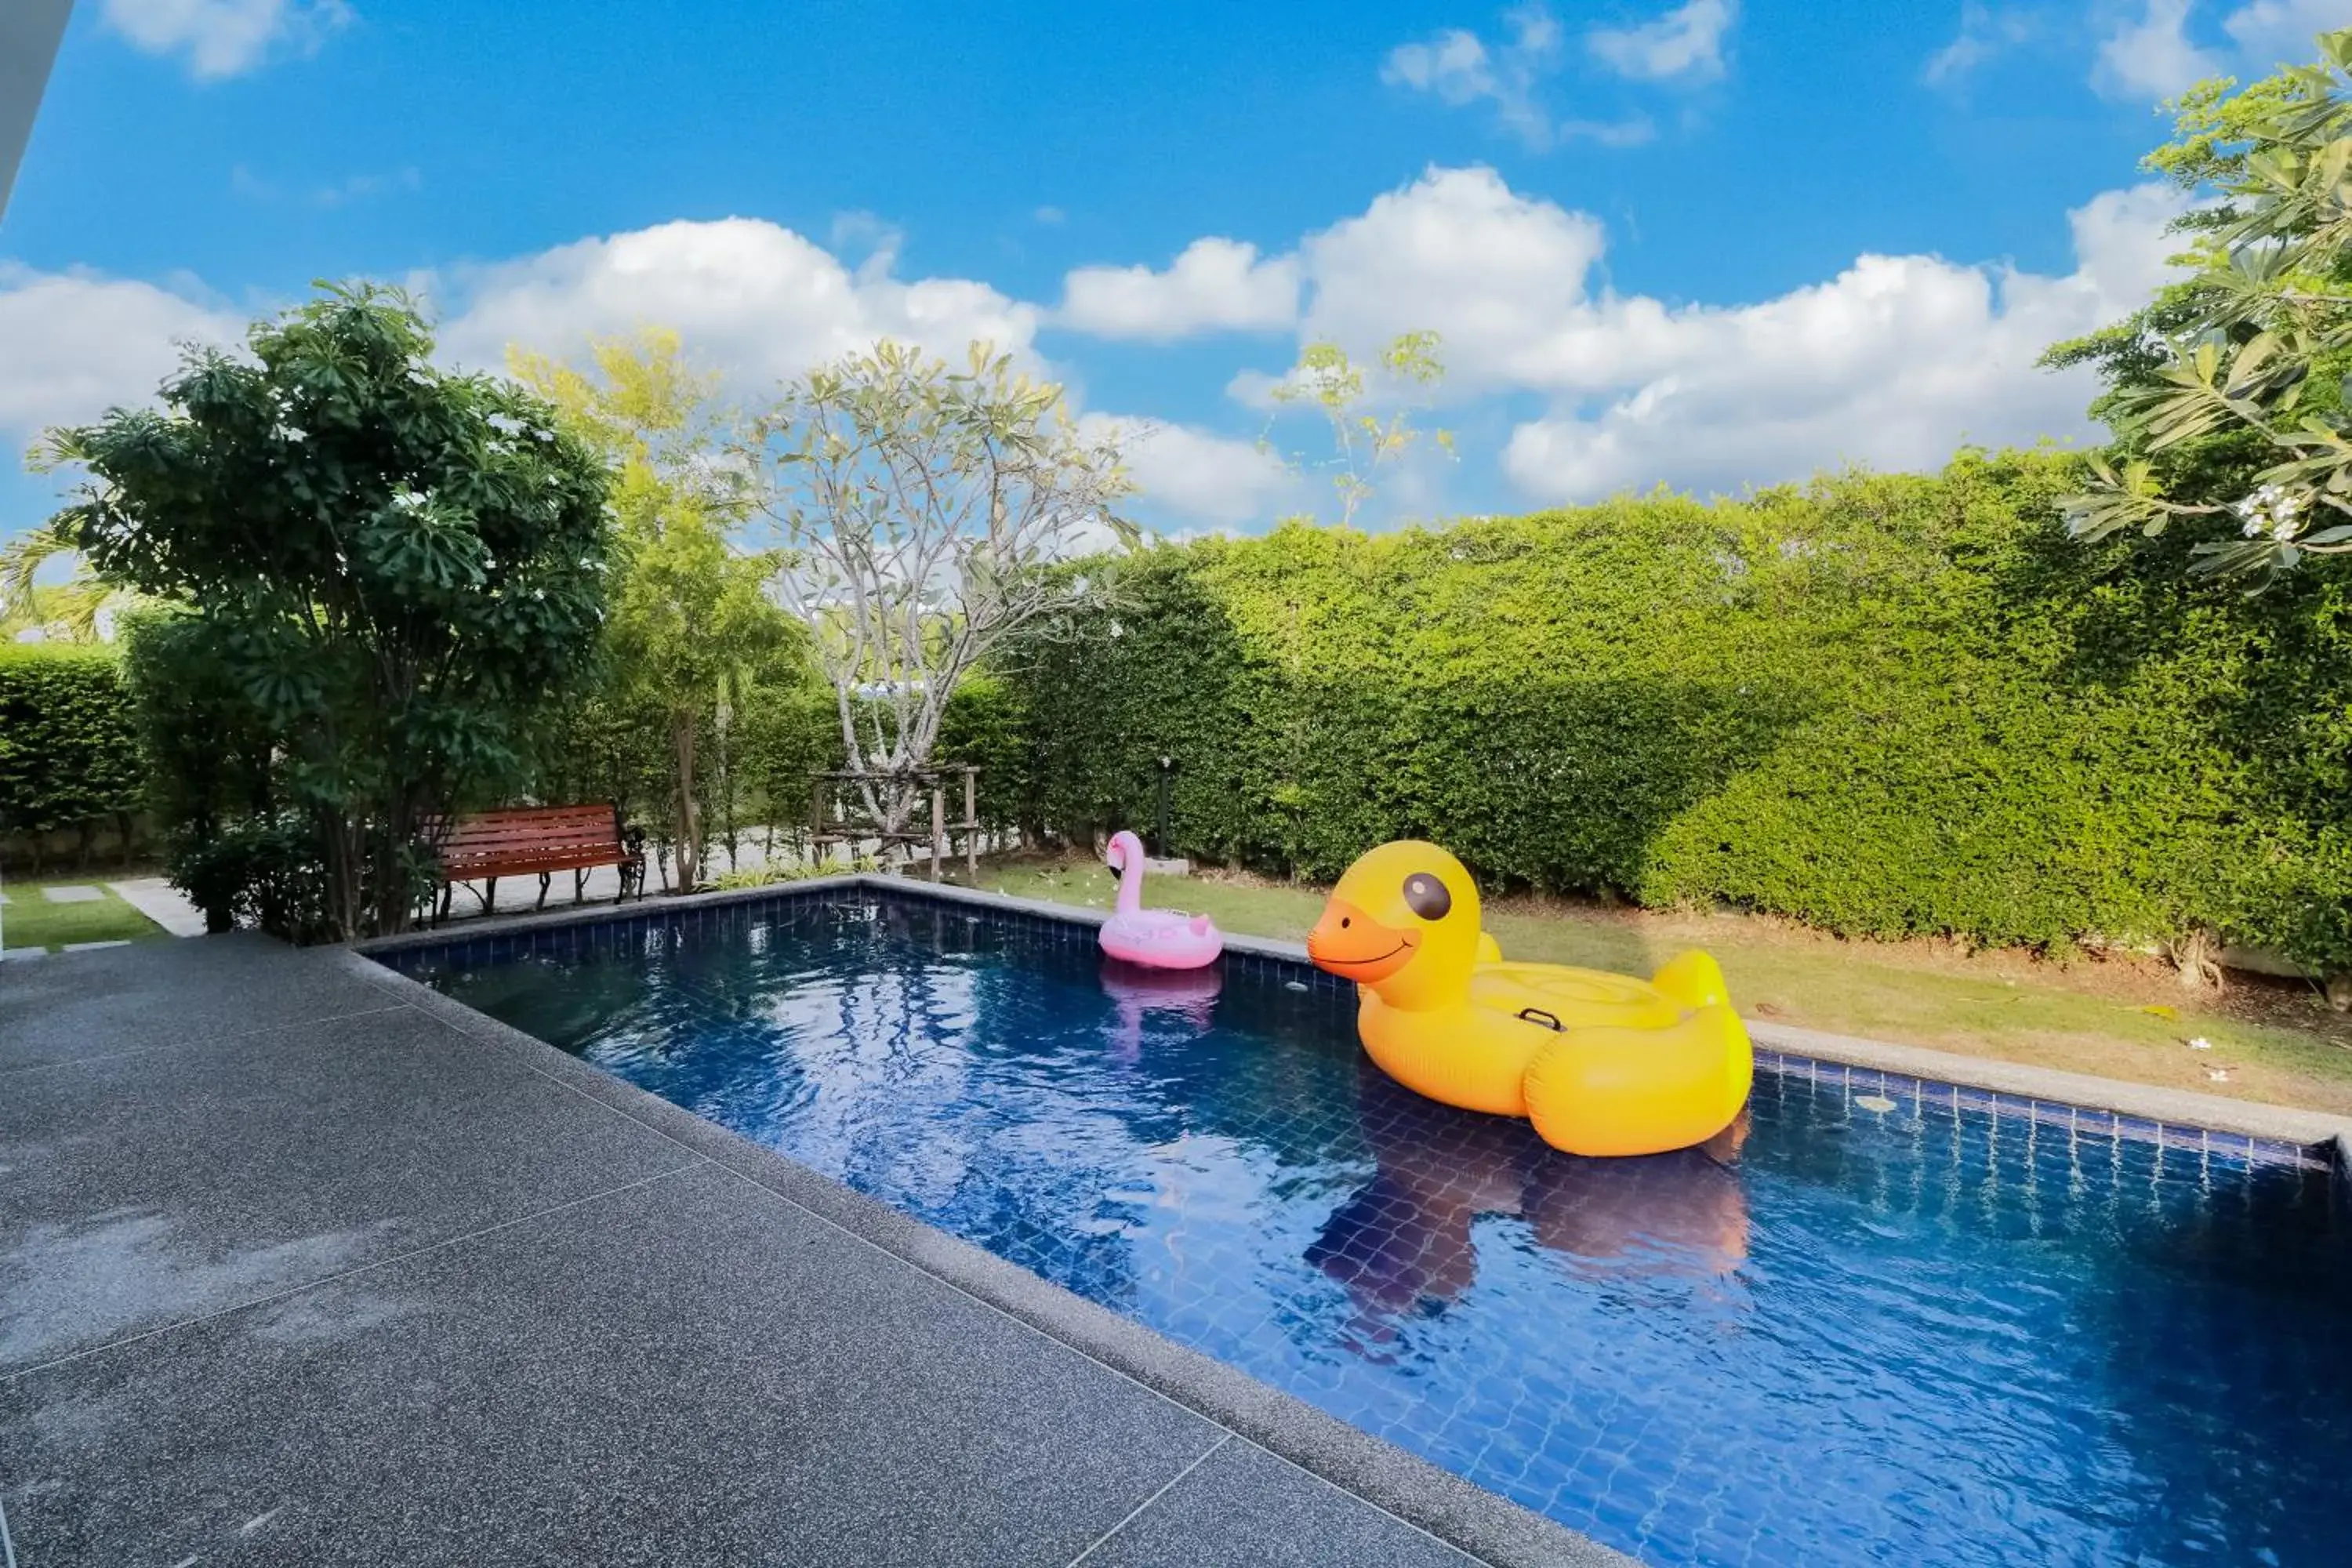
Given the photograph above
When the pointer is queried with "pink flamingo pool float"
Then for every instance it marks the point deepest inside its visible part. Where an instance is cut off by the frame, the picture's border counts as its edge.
(1156, 939)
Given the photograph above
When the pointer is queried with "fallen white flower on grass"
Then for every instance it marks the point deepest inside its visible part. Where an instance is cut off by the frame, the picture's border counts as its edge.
(2219, 1074)
(2200, 1044)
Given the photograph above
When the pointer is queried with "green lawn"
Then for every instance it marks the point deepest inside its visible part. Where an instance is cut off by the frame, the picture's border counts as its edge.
(2273, 1042)
(30, 920)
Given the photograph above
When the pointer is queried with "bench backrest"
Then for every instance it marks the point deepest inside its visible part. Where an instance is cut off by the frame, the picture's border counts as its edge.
(529, 838)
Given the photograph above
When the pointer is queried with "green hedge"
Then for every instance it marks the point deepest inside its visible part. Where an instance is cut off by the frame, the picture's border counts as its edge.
(68, 751)
(1883, 704)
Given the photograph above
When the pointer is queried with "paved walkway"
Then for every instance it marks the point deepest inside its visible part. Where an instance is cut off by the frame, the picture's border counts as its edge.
(297, 1267)
(162, 903)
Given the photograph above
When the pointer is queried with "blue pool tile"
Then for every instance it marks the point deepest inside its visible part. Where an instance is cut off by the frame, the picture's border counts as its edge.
(2052, 1113)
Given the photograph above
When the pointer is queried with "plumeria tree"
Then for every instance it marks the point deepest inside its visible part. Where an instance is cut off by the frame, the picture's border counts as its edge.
(2229, 397)
(925, 514)
(1327, 381)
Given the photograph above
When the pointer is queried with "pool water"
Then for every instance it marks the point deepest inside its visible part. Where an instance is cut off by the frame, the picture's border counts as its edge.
(1916, 1335)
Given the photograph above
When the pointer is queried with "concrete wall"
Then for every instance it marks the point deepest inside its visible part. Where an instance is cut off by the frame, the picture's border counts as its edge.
(29, 31)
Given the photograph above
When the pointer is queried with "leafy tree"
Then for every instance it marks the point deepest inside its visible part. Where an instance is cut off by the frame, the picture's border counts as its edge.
(692, 625)
(1361, 441)
(2228, 393)
(923, 511)
(400, 566)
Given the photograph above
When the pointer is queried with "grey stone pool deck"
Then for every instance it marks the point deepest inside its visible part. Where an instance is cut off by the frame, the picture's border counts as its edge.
(302, 1263)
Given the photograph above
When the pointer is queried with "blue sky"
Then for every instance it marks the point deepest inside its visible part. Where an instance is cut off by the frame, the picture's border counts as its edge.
(1706, 244)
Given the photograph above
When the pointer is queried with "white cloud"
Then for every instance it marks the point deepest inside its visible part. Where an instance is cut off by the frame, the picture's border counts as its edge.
(2274, 32)
(1459, 68)
(1496, 274)
(346, 192)
(1984, 33)
(1212, 477)
(1893, 362)
(873, 239)
(1215, 285)
(754, 296)
(757, 300)
(1684, 45)
(2152, 57)
(226, 38)
(78, 344)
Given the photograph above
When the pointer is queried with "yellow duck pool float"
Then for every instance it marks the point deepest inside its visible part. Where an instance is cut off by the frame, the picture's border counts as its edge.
(1599, 1063)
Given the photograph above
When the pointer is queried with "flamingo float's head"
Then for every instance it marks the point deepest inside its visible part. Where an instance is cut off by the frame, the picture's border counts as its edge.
(1125, 850)
(1404, 921)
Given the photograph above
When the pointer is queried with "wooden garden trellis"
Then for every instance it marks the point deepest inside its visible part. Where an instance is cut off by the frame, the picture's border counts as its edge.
(835, 813)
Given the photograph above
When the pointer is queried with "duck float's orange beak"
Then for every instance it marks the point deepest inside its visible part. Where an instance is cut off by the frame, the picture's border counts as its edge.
(1352, 945)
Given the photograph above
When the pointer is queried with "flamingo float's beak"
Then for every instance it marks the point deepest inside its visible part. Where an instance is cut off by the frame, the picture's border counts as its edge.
(1352, 945)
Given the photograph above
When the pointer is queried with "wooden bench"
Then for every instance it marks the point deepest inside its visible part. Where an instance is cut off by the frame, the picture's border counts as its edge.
(533, 839)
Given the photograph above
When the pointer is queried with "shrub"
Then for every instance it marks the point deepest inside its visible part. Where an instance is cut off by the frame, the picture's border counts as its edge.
(68, 753)
(985, 725)
(1883, 704)
(772, 874)
(265, 871)
(205, 751)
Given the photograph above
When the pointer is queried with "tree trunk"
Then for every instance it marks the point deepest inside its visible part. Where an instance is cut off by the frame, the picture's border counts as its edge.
(2196, 960)
(346, 872)
(395, 907)
(689, 817)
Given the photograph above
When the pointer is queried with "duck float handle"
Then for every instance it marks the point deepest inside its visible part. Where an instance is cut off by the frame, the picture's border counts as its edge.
(1599, 1063)
(1156, 939)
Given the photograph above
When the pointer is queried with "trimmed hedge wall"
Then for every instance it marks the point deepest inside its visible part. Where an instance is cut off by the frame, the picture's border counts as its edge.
(70, 756)
(1883, 704)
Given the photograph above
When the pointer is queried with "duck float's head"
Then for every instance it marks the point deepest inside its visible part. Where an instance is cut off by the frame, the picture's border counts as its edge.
(1404, 921)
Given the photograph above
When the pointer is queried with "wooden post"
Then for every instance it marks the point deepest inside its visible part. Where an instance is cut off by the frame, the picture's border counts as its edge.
(971, 826)
(816, 820)
(939, 826)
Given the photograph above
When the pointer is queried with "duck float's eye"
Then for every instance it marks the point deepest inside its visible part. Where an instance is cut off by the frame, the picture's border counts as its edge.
(1425, 896)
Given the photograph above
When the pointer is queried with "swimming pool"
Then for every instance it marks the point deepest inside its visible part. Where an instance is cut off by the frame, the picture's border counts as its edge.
(1933, 1333)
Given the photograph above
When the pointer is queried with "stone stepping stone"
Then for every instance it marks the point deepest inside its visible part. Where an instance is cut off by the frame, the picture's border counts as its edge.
(73, 895)
(18, 954)
(94, 946)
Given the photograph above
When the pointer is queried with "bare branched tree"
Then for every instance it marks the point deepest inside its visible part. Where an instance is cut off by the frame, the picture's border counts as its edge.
(926, 513)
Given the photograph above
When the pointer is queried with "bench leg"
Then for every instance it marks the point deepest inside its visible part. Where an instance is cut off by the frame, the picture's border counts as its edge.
(490, 894)
(579, 885)
(543, 892)
(447, 889)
